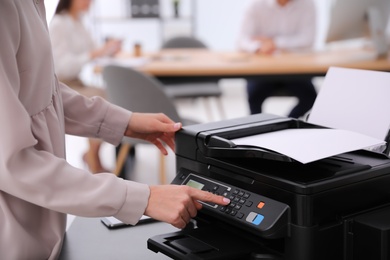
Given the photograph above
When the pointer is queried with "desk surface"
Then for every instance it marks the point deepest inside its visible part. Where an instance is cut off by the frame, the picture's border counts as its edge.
(192, 63)
(88, 238)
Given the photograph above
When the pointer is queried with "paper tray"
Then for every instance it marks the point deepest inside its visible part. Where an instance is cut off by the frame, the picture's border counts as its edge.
(220, 146)
(293, 143)
(247, 152)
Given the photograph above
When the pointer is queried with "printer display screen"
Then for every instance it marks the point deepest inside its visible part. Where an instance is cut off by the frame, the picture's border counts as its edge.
(195, 184)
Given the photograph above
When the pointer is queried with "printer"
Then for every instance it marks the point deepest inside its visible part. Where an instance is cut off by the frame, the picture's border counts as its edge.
(337, 208)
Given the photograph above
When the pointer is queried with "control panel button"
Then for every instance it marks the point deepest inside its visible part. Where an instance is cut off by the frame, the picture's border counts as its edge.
(257, 212)
(254, 218)
(260, 205)
(249, 204)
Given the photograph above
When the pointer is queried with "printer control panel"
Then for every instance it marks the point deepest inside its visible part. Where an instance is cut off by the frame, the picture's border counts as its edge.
(256, 212)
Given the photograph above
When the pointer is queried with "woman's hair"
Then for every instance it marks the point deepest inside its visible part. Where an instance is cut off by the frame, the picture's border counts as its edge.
(63, 5)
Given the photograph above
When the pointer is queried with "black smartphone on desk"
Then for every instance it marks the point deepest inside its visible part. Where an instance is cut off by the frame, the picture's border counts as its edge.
(112, 222)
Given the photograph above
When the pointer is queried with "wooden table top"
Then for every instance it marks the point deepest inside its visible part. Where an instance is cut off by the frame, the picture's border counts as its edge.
(190, 62)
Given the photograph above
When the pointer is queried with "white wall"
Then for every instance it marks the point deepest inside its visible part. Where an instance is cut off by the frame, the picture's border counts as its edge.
(50, 9)
(216, 22)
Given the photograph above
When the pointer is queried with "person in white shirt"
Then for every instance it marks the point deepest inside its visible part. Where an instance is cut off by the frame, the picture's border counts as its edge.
(271, 26)
(73, 48)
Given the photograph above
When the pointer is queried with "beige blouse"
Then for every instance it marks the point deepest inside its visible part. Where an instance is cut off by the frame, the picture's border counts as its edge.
(37, 185)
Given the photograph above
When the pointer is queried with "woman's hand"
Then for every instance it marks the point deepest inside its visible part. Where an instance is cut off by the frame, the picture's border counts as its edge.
(109, 49)
(267, 45)
(154, 128)
(112, 47)
(177, 204)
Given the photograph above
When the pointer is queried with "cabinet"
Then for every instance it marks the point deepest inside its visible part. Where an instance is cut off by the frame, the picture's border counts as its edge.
(142, 24)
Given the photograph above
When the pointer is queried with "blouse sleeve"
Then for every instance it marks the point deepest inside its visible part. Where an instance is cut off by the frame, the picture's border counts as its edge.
(98, 118)
(93, 117)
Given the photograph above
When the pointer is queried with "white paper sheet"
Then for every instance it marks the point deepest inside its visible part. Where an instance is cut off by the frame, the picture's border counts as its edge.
(355, 100)
(308, 145)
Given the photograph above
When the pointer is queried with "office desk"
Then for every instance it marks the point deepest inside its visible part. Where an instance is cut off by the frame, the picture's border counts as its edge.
(190, 64)
(88, 238)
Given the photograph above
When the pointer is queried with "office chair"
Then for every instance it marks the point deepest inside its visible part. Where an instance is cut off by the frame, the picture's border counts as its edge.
(181, 42)
(138, 92)
(195, 89)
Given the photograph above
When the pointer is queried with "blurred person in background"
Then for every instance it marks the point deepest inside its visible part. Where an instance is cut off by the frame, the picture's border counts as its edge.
(73, 48)
(271, 26)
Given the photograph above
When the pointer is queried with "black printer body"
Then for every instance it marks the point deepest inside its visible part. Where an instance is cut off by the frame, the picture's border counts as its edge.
(334, 208)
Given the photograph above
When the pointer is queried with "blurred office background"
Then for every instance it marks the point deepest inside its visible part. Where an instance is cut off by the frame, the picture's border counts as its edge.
(215, 22)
